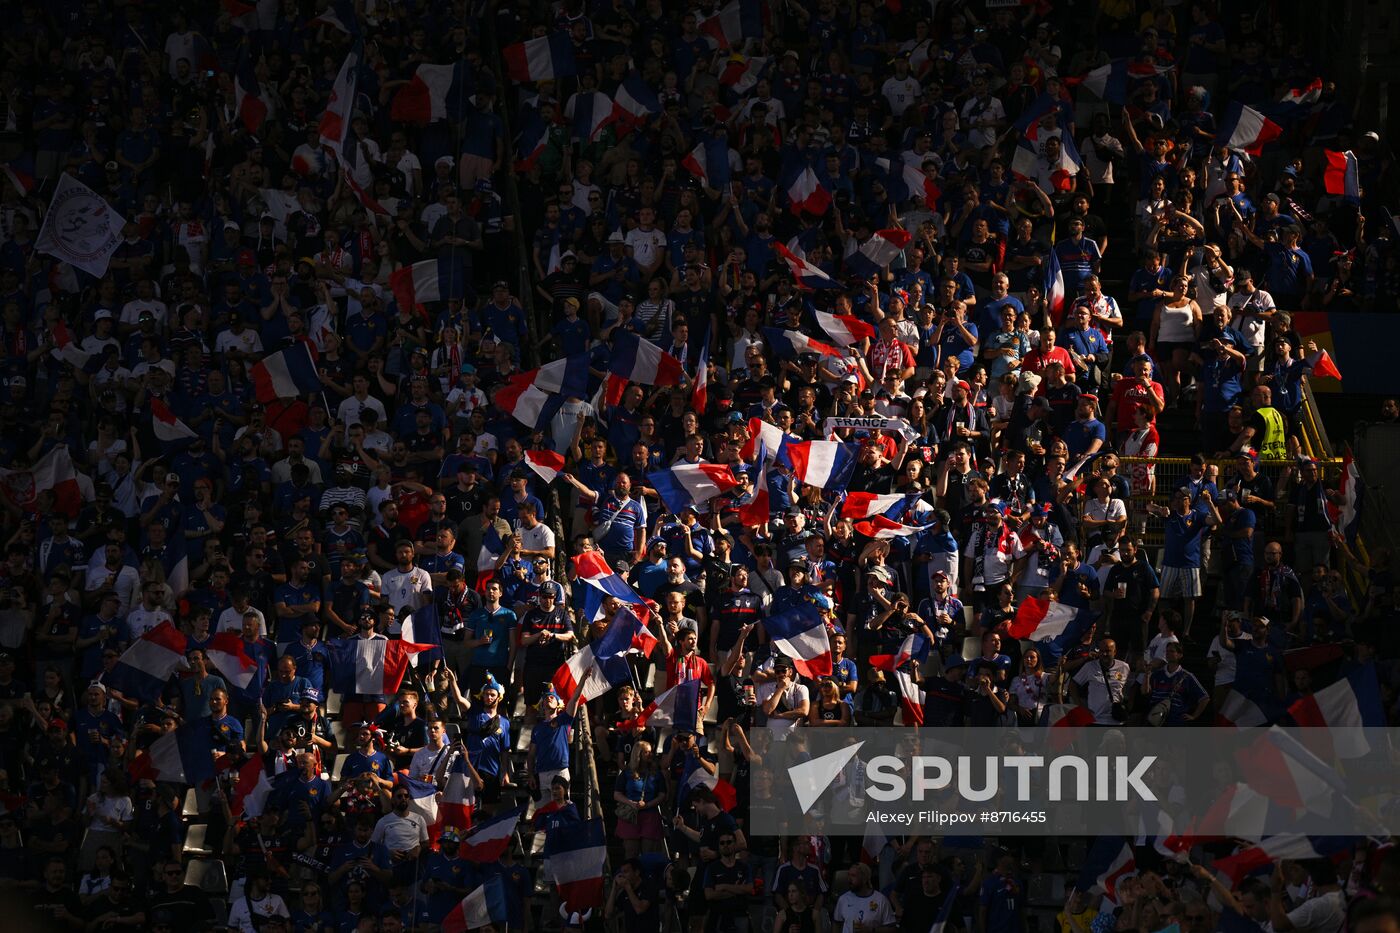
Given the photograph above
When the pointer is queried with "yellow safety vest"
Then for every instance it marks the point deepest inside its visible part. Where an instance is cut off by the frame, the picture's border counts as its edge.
(1274, 444)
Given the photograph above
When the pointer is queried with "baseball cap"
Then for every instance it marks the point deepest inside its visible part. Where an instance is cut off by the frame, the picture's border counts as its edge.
(102, 314)
(1248, 453)
(172, 477)
(444, 160)
(616, 237)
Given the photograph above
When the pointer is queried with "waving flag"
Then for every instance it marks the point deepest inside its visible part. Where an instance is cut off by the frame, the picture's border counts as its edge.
(67, 350)
(488, 841)
(1107, 863)
(1322, 365)
(736, 21)
(589, 674)
(54, 472)
(1054, 287)
(709, 162)
(486, 905)
(492, 547)
(544, 59)
(80, 228)
(677, 708)
(765, 434)
(531, 141)
(696, 776)
(335, 121)
(789, 344)
(691, 484)
(700, 393)
(1108, 82)
(915, 647)
(373, 666)
(1246, 128)
(143, 669)
(287, 373)
(638, 360)
(806, 275)
(1064, 720)
(1039, 109)
(845, 329)
(1038, 618)
(800, 633)
(255, 786)
(1346, 517)
(807, 193)
(533, 397)
(227, 652)
(184, 756)
(823, 464)
(592, 568)
(1240, 711)
(546, 463)
(422, 799)
(1286, 772)
(945, 913)
(589, 112)
(1343, 708)
(755, 511)
(1296, 104)
(740, 72)
(423, 626)
(424, 98)
(458, 803)
(247, 96)
(883, 528)
(869, 504)
(1291, 848)
(20, 172)
(576, 853)
(911, 699)
(417, 284)
(1340, 177)
(634, 103)
(876, 253)
(912, 182)
(166, 426)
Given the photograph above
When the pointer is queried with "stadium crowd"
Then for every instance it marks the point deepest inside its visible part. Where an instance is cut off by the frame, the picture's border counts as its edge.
(862, 321)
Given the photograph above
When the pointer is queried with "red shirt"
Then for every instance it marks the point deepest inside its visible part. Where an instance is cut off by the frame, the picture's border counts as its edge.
(1037, 360)
(1128, 394)
(681, 670)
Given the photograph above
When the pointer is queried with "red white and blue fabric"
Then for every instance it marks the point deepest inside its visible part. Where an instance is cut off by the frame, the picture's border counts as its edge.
(543, 59)
(287, 373)
(845, 329)
(638, 360)
(247, 96)
(1108, 862)
(1293, 848)
(589, 112)
(1346, 515)
(1064, 720)
(531, 142)
(823, 464)
(634, 103)
(858, 505)
(1240, 711)
(911, 698)
(339, 15)
(1041, 107)
(709, 162)
(53, 472)
(875, 254)
(417, 284)
(800, 633)
(1054, 286)
(546, 463)
(755, 510)
(1322, 364)
(740, 72)
(144, 668)
(335, 120)
(1239, 811)
(1343, 708)
(882, 528)
(67, 349)
(253, 787)
(1108, 82)
(592, 568)
(677, 708)
(576, 853)
(20, 172)
(422, 799)
(1246, 129)
(603, 665)
(427, 96)
(1280, 765)
(184, 756)
(807, 194)
(736, 21)
(789, 344)
(804, 273)
(489, 840)
(458, 803)
(915, 647)
(910, 181)
(726, 795)
(492, 547)
(372, 666)
(166, 426)
(700, 392)
(486, 905)
(1039, 618)
(1296, 104)
(764, 433)
(691, 484)
(227, 652)
(535, 396)
(1340, 175)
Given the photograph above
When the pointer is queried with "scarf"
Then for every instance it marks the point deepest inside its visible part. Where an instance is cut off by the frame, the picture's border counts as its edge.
(1271, 585)
(980, 541)
(951, 418)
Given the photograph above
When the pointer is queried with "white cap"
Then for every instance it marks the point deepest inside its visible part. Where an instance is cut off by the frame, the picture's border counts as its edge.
(102, 314)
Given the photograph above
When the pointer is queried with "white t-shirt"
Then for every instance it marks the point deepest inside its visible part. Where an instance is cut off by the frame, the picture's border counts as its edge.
(900, 93)
(1225, 670)
(268, 906)
(246, 342)
(402, 589)
(646, 245)
(400, 833)
(1322, 914)
(141, 620)
(539, 538)
(1099, 701)
(1157, 647)
(231, 620)
(873, 908)
(131, 311)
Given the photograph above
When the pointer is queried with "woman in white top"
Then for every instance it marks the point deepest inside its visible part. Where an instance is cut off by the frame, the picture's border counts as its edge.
(109, 812)
(750, 334)
(1212, 278)
(1222, 658)
(1030, 689)
(1175, 323)
(1149, 209)
(1102, 512)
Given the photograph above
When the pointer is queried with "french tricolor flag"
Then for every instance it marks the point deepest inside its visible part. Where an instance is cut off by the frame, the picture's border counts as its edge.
(1285, 770)
(543, 59)
(1107, 863)
(1064, 720)
(20, 172)
(54, 472)
(423, 99)
(800, 633)
(247, 99)
(700, 394)
(143, 669)
(288, 373)
(736, 21)
(638, 360)
(485, 906)
(756, 512)
(458, 803)
(373, 666)
(1247, 129)
(765, 434)
(1054, 287)
(422, 799)
(1239, 811)
(587, 673)
(184, 756)
(166, 426)
(334, 125)
(696, 776)
(1109, 82)
(227, 652)
(882, 528)
(253, 787)
(914, 648)
(868, 504)
(634, 103)
(531, 142)
(417, 284)
(876, 253)
(546, 463)
(1261, 857)
(1349, 705)
(1339, 175)
(913, 182)
(534, 396)
(789, 344)
(687, 484)
(339, 15)
(676, 708)
(1346, 516)
(911, 699)
(1240, 711)
(823, 464)
(739, 72)
(67, 349)
(592, 568)
(492, 547)
(806, 275)
(488, 841)
(576, 853)
(709, 162)
(1304, 95)
(1037, 618)
(807, 193)
(590, 111)
(845, 329)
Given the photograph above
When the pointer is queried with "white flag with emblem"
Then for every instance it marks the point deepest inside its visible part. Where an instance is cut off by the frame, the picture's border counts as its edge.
(80, 228)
